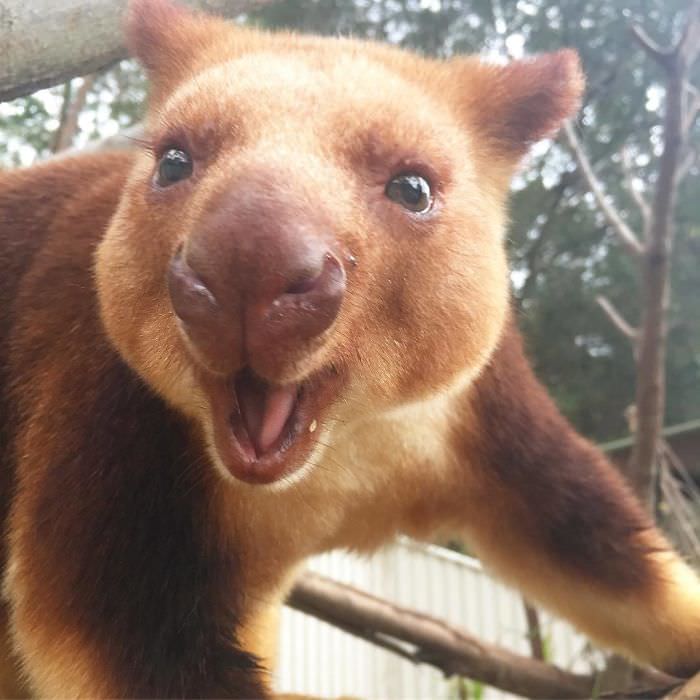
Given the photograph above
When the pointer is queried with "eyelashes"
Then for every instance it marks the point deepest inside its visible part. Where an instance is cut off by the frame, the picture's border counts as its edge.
(144, 144)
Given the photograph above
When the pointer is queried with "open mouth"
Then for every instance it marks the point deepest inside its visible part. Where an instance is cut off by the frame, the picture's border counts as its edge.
(264, 416)
(263, 431)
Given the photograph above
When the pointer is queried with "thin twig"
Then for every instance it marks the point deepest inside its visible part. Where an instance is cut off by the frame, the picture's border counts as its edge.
(661, 55)
(687, 49)
(534, 631)
(692, 108)
(616, 318)
(626, 235)
(689, 161)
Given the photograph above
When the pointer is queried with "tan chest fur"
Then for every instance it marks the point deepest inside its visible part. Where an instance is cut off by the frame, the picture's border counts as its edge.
(375, 479)
(368, 480)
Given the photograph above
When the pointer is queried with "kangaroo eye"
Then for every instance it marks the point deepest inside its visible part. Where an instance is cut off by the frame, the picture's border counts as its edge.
(174, 165)
(410, 191)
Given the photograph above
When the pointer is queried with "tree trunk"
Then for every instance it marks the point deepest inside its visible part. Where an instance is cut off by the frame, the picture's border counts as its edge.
(73, 105)
(653, 249)
(656, 261)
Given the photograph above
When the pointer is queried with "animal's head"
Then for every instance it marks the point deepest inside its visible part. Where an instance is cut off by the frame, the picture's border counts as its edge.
(314, 231)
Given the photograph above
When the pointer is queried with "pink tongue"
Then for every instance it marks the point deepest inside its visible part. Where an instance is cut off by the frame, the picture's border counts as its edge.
(265, 410)
(279, 404)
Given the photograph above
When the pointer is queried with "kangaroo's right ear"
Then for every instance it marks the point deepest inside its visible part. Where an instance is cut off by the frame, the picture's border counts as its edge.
(171, 41)
(160, 33)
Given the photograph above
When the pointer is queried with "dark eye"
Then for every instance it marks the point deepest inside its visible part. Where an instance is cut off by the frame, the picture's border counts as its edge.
(410, 191)
(174, 165)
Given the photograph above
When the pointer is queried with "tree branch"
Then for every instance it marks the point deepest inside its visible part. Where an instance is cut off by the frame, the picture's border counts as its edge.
(532, 257)
(689, 161)
(616, 318)
(689, 691)
(49, 42)
(534, 631)
(688, 47)
(628, 238)
(423, 639)
(661, 55)
(656, 262)
(70, 114)
(693, 107)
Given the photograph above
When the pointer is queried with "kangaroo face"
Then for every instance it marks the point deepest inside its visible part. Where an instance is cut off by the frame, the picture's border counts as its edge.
(313, 233)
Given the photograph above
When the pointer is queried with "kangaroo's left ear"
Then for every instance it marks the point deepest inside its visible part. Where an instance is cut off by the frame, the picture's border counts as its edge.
(515, 105)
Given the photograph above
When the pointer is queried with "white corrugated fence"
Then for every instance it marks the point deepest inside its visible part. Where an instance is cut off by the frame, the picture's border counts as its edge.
(319, 659)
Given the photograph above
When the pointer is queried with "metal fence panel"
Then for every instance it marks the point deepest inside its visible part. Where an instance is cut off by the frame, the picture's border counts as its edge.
(318, 659)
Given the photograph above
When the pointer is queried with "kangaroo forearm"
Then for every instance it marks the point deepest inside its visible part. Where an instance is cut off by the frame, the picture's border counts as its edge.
(557, 520)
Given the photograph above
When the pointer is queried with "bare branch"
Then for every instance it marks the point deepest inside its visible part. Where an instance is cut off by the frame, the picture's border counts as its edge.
(662, 55)
(681, 55)
(690, 159)
(616, 318)
(679, 506)
(533, 258)
(688, 691)
(423, 639)
(534, 630)
(626, 235)
(72, 107)
(692, 108)
(432, 641)
(688, 47)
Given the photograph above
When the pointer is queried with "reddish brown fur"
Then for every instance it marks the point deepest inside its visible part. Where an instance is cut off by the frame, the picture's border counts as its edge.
(586, 518)
(137, 566)
(88, 461)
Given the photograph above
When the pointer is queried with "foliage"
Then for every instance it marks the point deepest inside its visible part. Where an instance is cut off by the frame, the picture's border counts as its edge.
(465, 689)
(27, 125)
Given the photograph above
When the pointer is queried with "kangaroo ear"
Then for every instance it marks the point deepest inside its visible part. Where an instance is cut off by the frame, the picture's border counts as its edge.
(515, 105)
(170, 41)
(157, 33)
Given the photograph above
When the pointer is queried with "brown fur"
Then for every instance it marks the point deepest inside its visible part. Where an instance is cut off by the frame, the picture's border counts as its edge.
(136, 565)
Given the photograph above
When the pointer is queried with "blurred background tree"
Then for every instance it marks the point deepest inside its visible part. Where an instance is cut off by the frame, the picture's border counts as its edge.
(562, 251)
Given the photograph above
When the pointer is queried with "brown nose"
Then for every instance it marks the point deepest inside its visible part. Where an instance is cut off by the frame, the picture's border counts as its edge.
(257, 283)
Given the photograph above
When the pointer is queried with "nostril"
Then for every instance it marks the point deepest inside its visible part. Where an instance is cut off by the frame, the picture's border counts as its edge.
(189, 295)
(311, 281)
(304, 285)
(310, 305)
